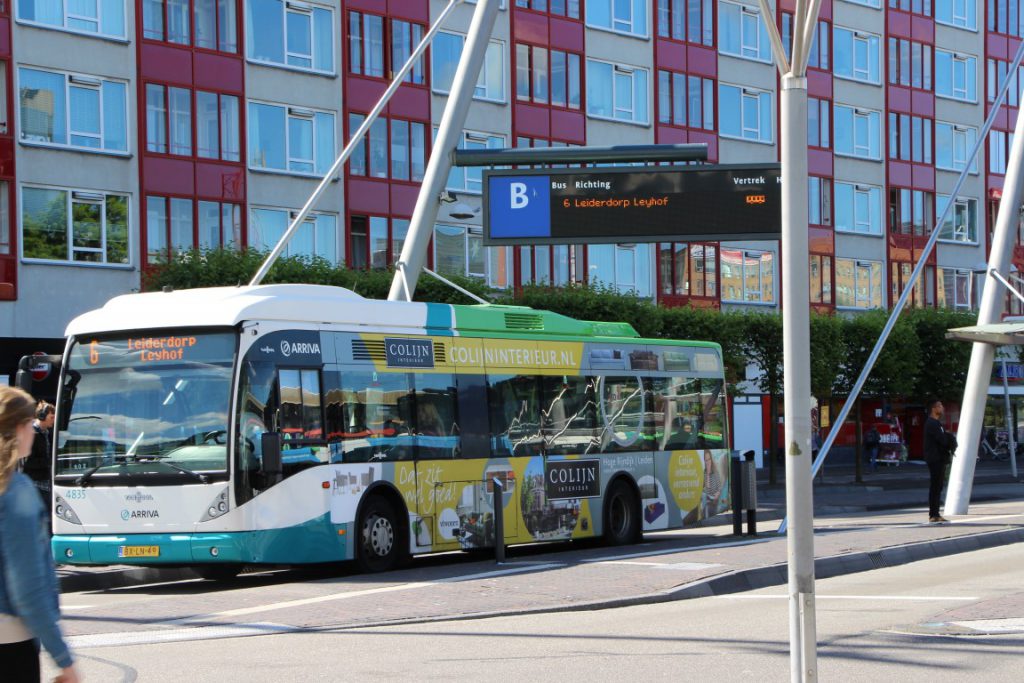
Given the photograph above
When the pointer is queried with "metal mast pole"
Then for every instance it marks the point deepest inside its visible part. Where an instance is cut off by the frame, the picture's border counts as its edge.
(1011, 428)
(421, 226)
(357, 137)
(796, 336)
(972, 409)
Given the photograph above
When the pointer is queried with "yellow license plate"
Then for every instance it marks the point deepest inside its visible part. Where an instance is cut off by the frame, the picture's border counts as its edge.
(138, 551)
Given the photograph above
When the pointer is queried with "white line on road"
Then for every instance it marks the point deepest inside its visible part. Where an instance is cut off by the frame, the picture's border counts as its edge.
(65, 608)
(910, 598)
(176, 635)
(654, 553)
(356, 594)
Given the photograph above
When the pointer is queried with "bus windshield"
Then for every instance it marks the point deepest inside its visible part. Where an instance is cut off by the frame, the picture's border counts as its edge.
(148, 406)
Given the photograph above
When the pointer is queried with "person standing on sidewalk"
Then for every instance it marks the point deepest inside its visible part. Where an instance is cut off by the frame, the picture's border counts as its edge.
(37, 464)
(29, 607)
(936, 452)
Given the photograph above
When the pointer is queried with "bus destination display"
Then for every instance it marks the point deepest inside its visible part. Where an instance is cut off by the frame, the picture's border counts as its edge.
(610, 205)
(149, 350)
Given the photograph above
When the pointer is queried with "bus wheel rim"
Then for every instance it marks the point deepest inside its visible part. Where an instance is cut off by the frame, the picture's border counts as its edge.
(380, 536)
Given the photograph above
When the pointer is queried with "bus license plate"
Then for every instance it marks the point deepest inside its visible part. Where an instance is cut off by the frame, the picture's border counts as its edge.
(138, 551)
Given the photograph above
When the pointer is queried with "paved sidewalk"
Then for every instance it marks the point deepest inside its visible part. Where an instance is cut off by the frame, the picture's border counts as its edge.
(668, 566)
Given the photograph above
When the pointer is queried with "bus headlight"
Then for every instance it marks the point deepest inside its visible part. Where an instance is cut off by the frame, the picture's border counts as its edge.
(64, 512)
(217, 508)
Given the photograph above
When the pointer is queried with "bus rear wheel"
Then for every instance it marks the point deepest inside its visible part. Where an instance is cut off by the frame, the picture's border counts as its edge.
(621, 515)
(380, 538)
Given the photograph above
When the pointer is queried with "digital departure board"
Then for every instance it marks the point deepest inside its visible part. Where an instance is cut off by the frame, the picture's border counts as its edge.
(629, 204)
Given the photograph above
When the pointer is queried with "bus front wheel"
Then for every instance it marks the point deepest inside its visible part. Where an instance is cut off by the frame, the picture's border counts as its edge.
(380, 539)
(621, 515)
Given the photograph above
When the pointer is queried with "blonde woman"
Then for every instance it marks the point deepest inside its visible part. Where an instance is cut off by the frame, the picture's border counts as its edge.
(29, 611)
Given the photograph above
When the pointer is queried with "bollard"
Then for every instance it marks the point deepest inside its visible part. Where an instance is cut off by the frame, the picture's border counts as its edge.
(499, 522)
(750, 492)
(736, 485)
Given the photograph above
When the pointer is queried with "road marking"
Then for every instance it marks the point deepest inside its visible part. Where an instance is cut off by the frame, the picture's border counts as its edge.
(679, 566)
(909, 598)
(65, 608)
(361, 593)
(981, 519)
(1012, 625)
(176, 635)
(655, 553)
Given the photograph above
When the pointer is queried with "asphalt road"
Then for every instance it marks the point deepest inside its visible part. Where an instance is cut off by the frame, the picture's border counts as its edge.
(884, 625)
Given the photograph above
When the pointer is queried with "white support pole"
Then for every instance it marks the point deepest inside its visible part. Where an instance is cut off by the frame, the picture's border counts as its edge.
(357, 137)
(424, 215)
(1011, 428)
(979, 374)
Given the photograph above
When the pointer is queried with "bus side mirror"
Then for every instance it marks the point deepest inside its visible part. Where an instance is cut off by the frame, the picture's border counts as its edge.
(23, 380)
(271, 461)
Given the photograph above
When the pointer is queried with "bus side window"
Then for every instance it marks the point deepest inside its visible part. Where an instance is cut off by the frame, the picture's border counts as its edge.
(712, 398)
(569, 412)
(437, 432)
(622, 407)
(371, 417)
(677, 412)
(514, 404)
(300, 420)
(473, 418)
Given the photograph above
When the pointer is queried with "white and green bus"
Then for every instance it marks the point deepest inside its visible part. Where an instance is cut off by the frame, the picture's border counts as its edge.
(288, 424)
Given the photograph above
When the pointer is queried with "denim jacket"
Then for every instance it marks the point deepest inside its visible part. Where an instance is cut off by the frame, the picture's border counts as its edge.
(28, 582)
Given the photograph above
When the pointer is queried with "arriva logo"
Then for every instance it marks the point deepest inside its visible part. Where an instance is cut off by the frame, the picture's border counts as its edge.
(304, 348)
(125, 514)
(139, 514)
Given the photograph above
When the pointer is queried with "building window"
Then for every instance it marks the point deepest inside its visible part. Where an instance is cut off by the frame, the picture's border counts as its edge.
(290, 139)
(617, 91)
(821, 279)
(445, 53)
(459, 250)
(911, 211)
(1004, 17)
(318, 235)
(215, 23)
(910, 63)
(72, 110)
(401, 159)
(745, 113)
(858, 208)
(956, 75)
(818, 123)
(217, 126)
(877, 4)
(170, 227)
(76, 226)
(366, 44)
(998, 150)
(953, 145)
(563, 8)
(819, 201)
(627, 268)
(910, 138)
(101, 18)
(372, 244)
(168, 120)
(856, 54)
(686, 100)
(819, 57)
(289, 33)
(997, 69)
(858, 132)
(544, 78)
(748, 276)
(470, 178)
(623, 16)
(741, 33)
(858, 283)
(688, 269)
(964, 13)
(922, 7)
(686, 20)
(961, 224)
(924, 290)
(405, 36)
(954, 288)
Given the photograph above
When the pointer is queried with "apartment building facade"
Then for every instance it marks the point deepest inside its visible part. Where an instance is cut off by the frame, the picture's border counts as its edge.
(132, 130)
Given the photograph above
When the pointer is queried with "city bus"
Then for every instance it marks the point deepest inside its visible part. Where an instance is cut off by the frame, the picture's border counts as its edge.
(227, 427)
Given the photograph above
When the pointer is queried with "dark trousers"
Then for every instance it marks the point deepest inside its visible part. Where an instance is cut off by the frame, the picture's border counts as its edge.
(937, 472)
(20, 661)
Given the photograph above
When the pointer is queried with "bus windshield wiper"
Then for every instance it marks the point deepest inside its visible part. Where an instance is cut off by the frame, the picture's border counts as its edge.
(87, 475)
(202, 478)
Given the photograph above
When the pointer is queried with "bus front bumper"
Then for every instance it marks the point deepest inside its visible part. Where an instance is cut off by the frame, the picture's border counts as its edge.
(149, 549)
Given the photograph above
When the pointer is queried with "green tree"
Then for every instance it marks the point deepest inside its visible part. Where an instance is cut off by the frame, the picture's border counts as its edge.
(942, 370)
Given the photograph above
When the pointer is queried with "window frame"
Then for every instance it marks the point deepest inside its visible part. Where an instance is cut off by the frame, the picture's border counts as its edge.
(858, 265)
(299, 112)
(744, 256)
(964, 22)
(633, 5)
(873, 55)
(762, 48)
(85, 197)
(875, 223)
(192, 42)
(971, 231)
(970, 135)
(620, 68)
(746, 93)
(167, 249)
(85, 82)
(250, 39)
(435, 83)
(856, 145)
(290, 215)
(957, 58)
(67, 16)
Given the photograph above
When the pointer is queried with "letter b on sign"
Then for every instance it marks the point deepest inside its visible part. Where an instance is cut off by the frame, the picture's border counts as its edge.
(518, 196)
(519, 207)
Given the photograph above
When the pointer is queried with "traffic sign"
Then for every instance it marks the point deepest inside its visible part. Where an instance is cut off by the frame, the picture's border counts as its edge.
(40, 368)
(628, 204)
